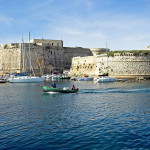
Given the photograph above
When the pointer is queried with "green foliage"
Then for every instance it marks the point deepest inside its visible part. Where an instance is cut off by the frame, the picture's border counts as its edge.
(135, 52)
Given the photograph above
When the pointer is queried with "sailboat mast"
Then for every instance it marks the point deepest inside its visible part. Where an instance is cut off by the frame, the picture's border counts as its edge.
(23, 56)
(16, 57)
(29, 54)
(107, 57)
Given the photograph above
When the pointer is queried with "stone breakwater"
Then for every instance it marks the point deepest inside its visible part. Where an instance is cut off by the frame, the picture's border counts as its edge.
(117, 66)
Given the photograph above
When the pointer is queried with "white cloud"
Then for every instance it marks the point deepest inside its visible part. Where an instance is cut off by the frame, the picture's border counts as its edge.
(120, 31)
(81, 25)
(41, 4)
(5, 20)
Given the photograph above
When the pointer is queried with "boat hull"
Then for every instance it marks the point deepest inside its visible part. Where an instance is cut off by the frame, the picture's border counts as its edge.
(104, 79)
(64, 77)
(57, 90)
(2, 81)
(26, 79)
(86, 79)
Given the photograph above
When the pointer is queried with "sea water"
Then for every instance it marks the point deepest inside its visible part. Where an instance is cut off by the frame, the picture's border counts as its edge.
(99, 116)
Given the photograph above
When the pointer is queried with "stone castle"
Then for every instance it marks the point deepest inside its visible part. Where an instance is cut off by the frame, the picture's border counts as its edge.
(46, 56)
(50, 55)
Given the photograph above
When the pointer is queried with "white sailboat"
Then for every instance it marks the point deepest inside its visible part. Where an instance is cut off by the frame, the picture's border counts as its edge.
(26, 79)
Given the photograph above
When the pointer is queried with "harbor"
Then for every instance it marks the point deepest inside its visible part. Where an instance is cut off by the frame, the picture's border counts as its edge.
(74, 75)
(111, 115)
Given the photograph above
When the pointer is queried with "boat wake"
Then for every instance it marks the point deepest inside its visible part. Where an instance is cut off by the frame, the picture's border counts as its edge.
(51, 93)
(114, 90)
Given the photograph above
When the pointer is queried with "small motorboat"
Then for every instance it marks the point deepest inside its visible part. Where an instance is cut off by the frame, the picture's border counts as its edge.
(85, 78)
(3, 80)
(104, 79)
(64, 77)
(74, 78)
(59, 90)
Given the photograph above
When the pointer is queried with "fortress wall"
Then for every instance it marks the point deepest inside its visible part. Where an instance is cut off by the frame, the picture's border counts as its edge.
(53, 59)
(118, 66)
(129, 66)
(50, 54)
(37, 59)
(50, 57)
(70, 52)
(57, 43)
(101, 65)
(10, 59)
(82, 66)
(44, 57)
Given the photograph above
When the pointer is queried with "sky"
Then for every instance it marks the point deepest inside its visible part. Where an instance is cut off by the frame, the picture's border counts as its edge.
(115, 24)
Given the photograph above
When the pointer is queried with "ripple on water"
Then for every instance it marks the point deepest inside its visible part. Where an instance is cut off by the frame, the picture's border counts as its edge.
(107, 116)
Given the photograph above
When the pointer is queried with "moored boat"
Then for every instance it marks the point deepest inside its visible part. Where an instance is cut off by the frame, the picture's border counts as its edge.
(3, 81)
(22, 77)
(104, 79)
(64, 77)
(85, 79)
(59, 90)
(25, 79)
(74, 78)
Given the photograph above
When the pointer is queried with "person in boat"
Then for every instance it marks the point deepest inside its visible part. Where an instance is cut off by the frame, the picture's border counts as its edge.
(73, 87)
(53, 85)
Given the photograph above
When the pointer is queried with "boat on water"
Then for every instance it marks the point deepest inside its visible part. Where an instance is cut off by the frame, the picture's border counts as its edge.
(59, 90)
(64, 77)
(74, 78)
(85, 78)
(104, 79)
(22, 77)
(3, 80)
(25, 79)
